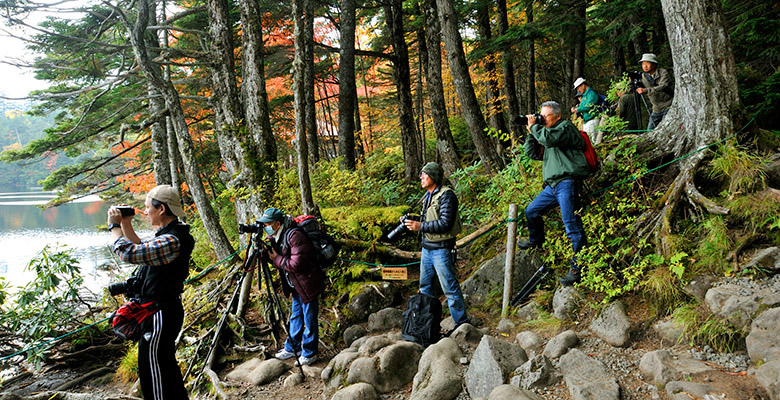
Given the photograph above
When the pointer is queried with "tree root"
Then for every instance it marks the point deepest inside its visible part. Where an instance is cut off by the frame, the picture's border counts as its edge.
(670, 200)
(697, 198)
(84, 378)
(741, 244)
(78, 355)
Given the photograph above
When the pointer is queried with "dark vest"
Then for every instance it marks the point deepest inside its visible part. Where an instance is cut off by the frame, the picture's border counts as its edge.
(166, 282)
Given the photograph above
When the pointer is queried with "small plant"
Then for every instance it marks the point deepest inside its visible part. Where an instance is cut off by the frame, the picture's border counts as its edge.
(703, 328)
(128, 366)
(743, 170)
(663, 289)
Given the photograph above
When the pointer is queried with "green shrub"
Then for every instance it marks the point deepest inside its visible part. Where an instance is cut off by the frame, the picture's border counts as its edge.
(703, 328)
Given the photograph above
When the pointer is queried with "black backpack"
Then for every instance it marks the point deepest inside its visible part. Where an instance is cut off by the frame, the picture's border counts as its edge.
(327, 247)
(422, 320)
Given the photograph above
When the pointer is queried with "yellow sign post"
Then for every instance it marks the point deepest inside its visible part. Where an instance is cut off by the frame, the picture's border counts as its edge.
(393, 274)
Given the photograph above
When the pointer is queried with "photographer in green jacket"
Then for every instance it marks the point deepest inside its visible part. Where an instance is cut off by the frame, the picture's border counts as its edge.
(560, 146)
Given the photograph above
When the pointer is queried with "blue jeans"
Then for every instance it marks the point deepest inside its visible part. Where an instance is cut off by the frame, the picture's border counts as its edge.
(655, 119)
(439, 263)
(565, 194)
(303, 327)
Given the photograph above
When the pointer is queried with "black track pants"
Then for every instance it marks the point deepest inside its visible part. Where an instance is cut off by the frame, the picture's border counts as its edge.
(157, 367)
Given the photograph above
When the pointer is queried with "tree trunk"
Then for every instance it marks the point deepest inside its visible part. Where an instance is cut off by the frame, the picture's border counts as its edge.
(261, 143)
(403, 85)
(531, 83)
(618, 58)
(507, 62)
(311, 112)
(174, 156)
(162, 173)
(579, 39)
(347, 85)
(706, 78)
(496, 109)
(445, 143)
(307, 201)
(217, 236)
(456, 58)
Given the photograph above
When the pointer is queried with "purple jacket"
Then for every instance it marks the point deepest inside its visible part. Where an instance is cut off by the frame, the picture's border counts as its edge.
(299, 263)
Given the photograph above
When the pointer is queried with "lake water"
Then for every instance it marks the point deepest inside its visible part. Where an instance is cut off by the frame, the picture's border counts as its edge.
(25, 229)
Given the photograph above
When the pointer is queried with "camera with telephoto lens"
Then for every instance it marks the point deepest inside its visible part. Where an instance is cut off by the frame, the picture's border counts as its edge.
(522, 120)
(257, 227)
(635, 79)
(402, 227)
(128, 287)
(126, 211)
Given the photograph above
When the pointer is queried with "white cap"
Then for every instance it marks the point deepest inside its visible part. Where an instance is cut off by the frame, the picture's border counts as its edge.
(579, 82)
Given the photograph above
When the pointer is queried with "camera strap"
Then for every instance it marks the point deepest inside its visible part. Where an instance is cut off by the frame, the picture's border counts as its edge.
(650, 79)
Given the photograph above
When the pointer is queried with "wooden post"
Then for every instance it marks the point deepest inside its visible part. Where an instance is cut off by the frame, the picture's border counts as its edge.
(510, 258)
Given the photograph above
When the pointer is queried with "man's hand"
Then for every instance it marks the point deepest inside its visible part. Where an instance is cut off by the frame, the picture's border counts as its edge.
(412, 225)
(272, 253)
(114, 216)
(531, 119)
(573, 110)
(641, 90)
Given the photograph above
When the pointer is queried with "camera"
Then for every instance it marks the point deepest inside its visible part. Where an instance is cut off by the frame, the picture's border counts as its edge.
(402, 227)
(635, 78)
(126, 211)
(257, 227)
(128, 287)
(522, 120)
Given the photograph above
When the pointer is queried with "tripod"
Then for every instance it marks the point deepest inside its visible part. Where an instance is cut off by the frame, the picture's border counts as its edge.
(633, 86)
(258, 259)
(530, 285)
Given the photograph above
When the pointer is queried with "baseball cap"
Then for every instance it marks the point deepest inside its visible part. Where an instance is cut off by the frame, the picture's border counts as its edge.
(272, 214)
(168, 195)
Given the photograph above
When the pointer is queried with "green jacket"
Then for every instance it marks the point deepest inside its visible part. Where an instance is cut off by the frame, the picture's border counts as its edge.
(589, 100)
(563, 151)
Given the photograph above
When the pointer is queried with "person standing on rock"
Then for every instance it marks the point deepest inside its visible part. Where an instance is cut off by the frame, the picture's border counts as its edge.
(563, 168)
(164, 265)
(439, 225)
(302, 278)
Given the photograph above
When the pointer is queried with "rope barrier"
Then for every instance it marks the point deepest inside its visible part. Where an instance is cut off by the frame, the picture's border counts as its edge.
(198, 276)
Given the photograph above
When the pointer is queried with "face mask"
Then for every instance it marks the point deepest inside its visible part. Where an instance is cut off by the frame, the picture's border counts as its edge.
(269, 230)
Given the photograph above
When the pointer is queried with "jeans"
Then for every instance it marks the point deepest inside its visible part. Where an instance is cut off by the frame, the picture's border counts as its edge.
(565, 194)
(655, 119)
(304, 328)
(440, 263)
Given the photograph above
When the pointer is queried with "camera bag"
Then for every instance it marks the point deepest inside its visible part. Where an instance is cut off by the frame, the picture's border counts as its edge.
(129, 320)
(326, 246)
(422, 320)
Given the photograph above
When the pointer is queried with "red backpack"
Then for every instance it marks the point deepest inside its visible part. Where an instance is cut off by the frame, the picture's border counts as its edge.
(594, 163)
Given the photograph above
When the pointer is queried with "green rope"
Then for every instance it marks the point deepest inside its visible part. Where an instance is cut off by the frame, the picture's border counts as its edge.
(635, 177)
(198, 276)
(378, 265)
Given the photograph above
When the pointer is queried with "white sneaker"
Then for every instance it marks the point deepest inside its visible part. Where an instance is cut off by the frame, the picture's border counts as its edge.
(305, 360)
(283, 354)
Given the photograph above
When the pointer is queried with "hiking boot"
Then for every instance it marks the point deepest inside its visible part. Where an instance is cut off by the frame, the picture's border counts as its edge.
(303, 360)
(571, 278)
(527, 244)
(283, 354)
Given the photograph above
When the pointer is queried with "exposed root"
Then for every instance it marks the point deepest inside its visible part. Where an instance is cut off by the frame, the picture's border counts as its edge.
(697, 198)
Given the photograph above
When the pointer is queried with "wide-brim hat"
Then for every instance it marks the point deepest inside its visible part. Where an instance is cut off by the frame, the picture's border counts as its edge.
(649, 57)
(271, 214)
(579, 82)
(170, 196)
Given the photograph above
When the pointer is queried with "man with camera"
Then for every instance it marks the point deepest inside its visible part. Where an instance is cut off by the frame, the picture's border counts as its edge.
(563, 167)
(302, 278)
(659, 86)
(588, 109)
(439, 225)
(163, 266)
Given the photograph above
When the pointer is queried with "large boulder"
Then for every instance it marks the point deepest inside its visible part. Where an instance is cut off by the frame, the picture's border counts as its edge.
(566, 302)
(353, 333)
(561, 344)
(670, 331)
(509, 392)
(661, 366)
(772, 168)
(358, 391)
(385, 320)
(438, 374)
(466, 335)
(738, 303)
(682, 390)
(612, 324)
(587, 378)
(372, 299)
(536, 373)
(491, 364)
(530, 342)
(769, 378)
(259, 372)
(338, 367)
(763, 342)
(490, 276)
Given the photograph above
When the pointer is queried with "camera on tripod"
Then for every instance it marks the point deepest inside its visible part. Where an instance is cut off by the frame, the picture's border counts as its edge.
(402, 227)
(130, 287)
(635, 79)
(256, 227)
(522, 120)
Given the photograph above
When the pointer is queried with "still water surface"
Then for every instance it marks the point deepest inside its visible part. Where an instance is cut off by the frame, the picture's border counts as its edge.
(25, 229)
